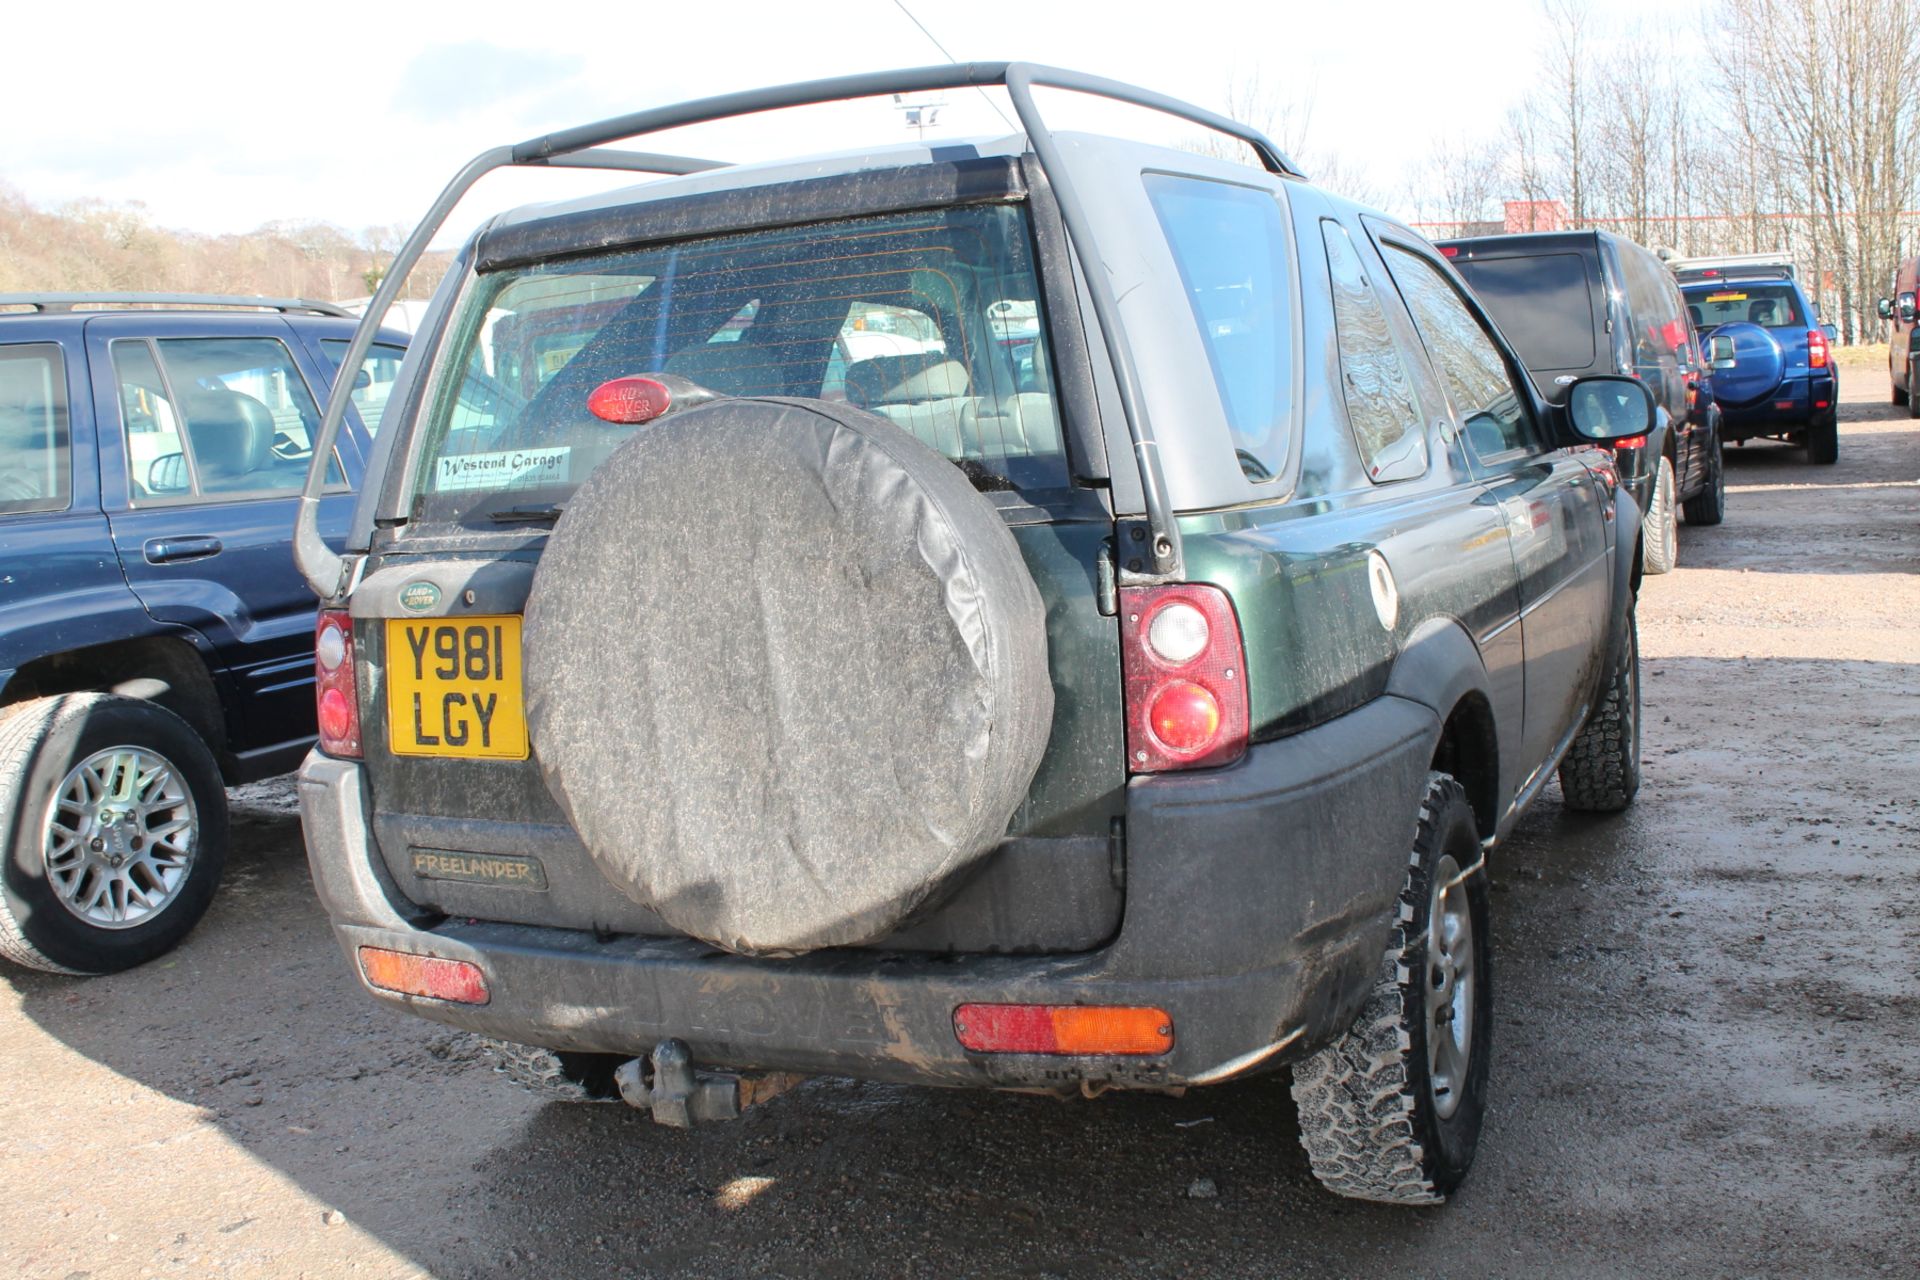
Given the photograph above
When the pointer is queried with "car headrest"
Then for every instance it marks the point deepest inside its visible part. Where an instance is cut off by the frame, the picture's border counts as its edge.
(1761, 312)
(232, 434)
(910, 379)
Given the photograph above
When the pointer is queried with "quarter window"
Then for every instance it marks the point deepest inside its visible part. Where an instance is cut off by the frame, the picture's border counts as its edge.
(35, 451)
(374, 383)
(1491, 409)
(214, 416)
(1231, 250)
(1381, 404)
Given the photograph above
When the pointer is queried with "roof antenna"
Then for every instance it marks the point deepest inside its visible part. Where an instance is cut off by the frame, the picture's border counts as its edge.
(913, 123)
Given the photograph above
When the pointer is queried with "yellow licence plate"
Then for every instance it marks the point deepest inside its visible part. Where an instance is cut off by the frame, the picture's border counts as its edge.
(453, 688)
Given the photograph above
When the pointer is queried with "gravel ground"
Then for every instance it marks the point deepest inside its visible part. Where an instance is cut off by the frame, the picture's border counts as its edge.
(1705, 1053)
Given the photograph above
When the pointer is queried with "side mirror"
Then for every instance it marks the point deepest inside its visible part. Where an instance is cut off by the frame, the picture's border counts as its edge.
(1720, 354)
(362, 380)
(1904, 308)
(168, 474)
(1884, 308)
(1833, 333)
(1609, 409)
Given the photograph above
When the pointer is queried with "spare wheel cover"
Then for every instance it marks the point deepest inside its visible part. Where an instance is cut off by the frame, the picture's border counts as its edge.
(1758, 365)
(786, 672)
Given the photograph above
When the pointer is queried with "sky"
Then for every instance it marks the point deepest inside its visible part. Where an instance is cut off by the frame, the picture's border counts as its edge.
(222, 117)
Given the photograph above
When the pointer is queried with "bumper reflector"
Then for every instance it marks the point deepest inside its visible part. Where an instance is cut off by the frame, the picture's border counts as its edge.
(456, 980)
(1062, 1029)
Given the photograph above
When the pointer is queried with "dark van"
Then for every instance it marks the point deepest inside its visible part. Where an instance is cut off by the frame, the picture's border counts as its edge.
(1576, 303)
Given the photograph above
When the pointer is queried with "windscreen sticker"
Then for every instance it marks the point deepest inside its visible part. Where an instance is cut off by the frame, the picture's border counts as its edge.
(508, 469)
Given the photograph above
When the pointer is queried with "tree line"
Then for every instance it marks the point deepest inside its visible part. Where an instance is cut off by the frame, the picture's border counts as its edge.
(1770, 125)
(93, 247)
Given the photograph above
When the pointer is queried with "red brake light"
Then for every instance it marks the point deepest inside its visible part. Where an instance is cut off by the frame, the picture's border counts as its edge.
(1631, 442)
(1816, 349)
(629, 400)
(1449, 251)
(337, 700)
(1185, 678)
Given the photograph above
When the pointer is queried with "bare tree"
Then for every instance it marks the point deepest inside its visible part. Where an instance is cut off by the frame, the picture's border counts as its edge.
(1567, 22)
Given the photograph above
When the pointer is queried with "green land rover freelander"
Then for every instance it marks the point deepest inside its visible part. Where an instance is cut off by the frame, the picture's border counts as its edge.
(1048, 613)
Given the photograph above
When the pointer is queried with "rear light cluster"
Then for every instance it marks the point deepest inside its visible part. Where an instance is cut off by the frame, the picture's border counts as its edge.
(458, 981)
(1816, 349)
(1185, 678)
(1063, 1029)
(337, 700)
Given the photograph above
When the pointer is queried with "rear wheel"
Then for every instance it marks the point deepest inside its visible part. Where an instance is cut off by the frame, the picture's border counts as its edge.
(555, 1075)
(1906, 397)
(1660, 526)
(1601, 770)
(1900, 393)
(117, 832)
(1392, 1110)
(1709, 506)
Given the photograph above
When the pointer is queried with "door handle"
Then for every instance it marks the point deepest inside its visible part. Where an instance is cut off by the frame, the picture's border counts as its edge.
(174, 550)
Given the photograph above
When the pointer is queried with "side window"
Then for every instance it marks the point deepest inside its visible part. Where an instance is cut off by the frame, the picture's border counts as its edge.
(35, 450)
(1381, 404)
(1659, 336)
(208, 417)
(374, 383)
(1490, 408)
(1231, 249)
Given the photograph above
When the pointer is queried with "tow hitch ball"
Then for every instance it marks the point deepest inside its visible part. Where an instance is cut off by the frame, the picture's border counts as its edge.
(666, 1085)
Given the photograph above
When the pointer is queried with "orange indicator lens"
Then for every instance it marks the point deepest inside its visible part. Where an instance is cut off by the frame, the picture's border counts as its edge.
(1062, 1029)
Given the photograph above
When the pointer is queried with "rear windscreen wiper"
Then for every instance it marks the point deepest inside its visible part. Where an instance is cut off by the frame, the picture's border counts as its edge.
(526, 515)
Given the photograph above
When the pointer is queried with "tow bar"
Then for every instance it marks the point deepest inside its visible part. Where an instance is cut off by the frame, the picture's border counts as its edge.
(666, 1085)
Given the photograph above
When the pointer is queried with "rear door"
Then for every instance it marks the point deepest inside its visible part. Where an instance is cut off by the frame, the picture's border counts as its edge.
(205, 444)
(1552, 307)
(1552, 503)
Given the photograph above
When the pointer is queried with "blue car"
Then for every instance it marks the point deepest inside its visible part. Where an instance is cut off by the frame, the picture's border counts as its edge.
(156, 641)
(1773, 373)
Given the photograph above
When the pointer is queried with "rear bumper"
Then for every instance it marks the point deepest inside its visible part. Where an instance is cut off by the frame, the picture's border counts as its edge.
(1793, 405)
(1258, 902)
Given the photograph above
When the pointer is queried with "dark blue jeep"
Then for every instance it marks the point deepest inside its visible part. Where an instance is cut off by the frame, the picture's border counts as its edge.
(156, 642)
(1773, 374)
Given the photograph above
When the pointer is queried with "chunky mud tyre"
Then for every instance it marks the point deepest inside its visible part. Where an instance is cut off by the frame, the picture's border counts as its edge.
(1823, 441)
(555, 1075)
(1709, 506)
(115, 832)
(1601, 770)
(1391, 1111)
(1660, 540)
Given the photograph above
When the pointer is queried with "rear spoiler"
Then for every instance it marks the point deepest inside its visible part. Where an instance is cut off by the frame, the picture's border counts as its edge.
(585, 147)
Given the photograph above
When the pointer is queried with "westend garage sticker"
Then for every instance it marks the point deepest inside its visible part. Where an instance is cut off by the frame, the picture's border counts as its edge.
(508, 469)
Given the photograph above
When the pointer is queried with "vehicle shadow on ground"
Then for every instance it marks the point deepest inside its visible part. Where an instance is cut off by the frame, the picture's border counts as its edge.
(402, 1126)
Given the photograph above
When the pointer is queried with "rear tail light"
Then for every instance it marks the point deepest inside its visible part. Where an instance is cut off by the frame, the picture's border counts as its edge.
(1185, 677)
(337, 701)
(1816, 349)
(459, 981)
(1631, 442)
(1062, 1029)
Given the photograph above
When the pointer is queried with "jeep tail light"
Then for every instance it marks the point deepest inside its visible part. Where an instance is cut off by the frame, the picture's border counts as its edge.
(1063, 1029)
(1816, 349)
(337, 701)
(458, 981)
(1185, 677)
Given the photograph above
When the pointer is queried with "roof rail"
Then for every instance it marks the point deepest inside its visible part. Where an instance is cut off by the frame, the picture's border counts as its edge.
(583, 147)
(88, 301)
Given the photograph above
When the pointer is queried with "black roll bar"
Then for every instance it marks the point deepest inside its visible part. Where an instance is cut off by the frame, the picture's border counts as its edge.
(584, 147)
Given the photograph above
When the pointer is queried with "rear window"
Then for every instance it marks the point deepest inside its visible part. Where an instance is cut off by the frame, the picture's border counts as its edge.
(1542, 305)
(1771, 306)
(913, 316)
(34, 448)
